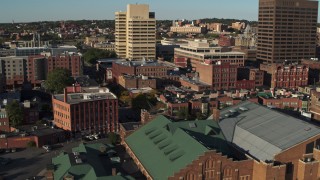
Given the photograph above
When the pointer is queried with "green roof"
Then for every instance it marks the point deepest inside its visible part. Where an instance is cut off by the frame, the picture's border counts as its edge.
(265, 94)
(92, 166)
(164, 147)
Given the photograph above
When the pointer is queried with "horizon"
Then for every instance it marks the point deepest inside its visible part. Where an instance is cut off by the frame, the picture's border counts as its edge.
(38, 11)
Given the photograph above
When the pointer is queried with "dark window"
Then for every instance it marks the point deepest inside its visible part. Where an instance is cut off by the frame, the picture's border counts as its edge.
(309, 148)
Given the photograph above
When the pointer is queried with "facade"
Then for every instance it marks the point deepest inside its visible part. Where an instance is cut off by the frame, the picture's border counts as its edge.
(315, 105)
(188, 29)
(4, 121)
(314, 70)
(293, 103)
(258, 76)
(91, 41)
(163, 72)
(226, 41)
(285, 76)
(94, 110)
(199, 51)
(287, 30)
(135, 33)
(14, 70)
(137, 82)
(220, 76)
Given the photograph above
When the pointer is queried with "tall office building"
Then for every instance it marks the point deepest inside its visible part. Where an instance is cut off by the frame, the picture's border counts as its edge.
(135, 33)
(286, 30)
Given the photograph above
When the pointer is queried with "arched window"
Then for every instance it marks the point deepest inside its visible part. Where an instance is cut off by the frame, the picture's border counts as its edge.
(191, 176)
(227, 173)
(209, 169)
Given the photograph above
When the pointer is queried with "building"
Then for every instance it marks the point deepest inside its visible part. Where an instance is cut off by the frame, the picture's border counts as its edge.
(292, 103)
(91, 41)
(238, 25)
(32, 51)
(219, 75)
(135, 33)
(314, 70)
(105, 46)
(40, 135)
(234, 145)
(287, 30)
(315, 104)
(13, 70)
(39, 66)
(137, 82)
(165, 52)
(258, 76)
(94, 110)
(285, 76)
(188, 29)
(87, 161)
(199, 50)
(226, 41)
(4, 121)
(164, 72)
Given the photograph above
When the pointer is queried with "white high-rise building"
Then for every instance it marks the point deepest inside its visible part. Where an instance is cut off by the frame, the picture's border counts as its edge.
(135, 33)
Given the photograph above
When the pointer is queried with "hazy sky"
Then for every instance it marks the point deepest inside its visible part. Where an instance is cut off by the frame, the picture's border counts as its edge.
(48, 10)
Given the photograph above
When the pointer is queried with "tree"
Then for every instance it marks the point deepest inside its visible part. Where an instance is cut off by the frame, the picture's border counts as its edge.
(93, 54)
(144, 101)
(58, 79)
(15, 113)
(113, 138)
(31, 144)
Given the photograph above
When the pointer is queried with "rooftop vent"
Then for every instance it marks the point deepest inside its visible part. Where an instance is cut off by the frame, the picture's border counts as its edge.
(192, 125)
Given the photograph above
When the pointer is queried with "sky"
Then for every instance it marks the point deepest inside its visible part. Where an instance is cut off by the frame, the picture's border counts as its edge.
(53, 10)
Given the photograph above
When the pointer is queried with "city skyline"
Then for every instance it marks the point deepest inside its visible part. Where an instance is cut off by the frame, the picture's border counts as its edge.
(36, 10)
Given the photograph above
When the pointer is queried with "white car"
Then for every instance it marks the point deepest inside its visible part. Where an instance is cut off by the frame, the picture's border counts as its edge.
(46, 147)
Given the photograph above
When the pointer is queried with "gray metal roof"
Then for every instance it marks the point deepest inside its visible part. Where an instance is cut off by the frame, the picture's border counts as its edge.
(263, 132)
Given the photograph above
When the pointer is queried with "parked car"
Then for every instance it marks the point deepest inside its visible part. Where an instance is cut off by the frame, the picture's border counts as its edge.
(46, 147)
(8, 150)
(4, 161)
(13, 150)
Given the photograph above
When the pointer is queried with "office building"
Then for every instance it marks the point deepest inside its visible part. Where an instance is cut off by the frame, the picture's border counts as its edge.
(199, 51)
(287, 30)
(135, 33)
(13, 69)
(92, 110)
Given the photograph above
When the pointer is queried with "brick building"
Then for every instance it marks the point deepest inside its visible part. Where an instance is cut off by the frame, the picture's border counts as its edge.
(94, 110)
(220, 76)
(314, 69)
(285, 76)
(258, 76)
(226, 41)
(34, 69)
(4, 121)
(163, 72)
(294, 103)
(245, 84)
(41, 135)
(39, 66)
(137, 82)
(315, 105)
(223, 148)
(199, 51)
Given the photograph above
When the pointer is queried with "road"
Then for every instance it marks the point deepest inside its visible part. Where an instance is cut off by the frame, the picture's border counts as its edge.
(30, 162)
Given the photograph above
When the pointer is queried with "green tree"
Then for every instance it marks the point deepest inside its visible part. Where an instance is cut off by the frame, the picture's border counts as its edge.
(31, 144)
(58, 79)
(183, 114)
(144, 101)
(93, 54)
(15, 113)
(113, 138)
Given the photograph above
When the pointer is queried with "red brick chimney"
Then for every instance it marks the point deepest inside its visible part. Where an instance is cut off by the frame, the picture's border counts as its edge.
(216, 114)
(65, 95)
(114, 171)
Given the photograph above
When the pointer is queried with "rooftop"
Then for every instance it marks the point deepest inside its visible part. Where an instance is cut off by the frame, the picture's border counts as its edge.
(174, 145)
(85, 163)
(90, 94)
(263, 132)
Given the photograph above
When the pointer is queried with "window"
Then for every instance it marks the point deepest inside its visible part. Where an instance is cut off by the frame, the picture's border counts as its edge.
(309, 148)
(209, 169)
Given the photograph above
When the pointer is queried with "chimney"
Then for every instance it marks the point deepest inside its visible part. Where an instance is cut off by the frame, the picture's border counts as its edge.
(216, 114)
(65, 95)
(114, 171)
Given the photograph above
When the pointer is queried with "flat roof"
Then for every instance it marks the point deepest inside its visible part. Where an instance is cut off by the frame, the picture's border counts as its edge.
(75, 98)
